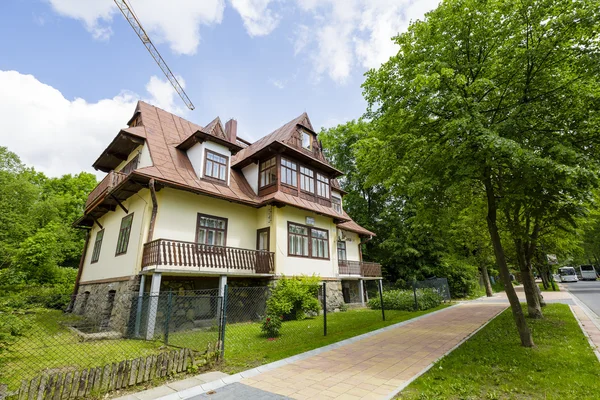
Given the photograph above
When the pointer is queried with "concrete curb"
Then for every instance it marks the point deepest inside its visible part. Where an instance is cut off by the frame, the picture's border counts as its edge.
(427, 368)
(589, 339)
(201, 389)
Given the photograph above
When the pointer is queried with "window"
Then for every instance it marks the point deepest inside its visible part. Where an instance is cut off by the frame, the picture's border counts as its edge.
(131, 165)
(289, 172)
(319, 243)
(124, 232)
(307, 180)
(211, 230)
(306, 140)
(341, 248)
(268, 172)
(298, 240)
(322, 186)
(215, 166)
(337, 204)
(304, 241)
(97, 246)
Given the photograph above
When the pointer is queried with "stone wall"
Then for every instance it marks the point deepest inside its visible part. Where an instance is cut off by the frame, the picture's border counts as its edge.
(335, 298)
(94, 300)
(353, 290)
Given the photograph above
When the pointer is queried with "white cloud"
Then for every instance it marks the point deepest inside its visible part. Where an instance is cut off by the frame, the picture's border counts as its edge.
(278, 83)
(258, 19)
(347, 33)
(57, 135)
(176, 22)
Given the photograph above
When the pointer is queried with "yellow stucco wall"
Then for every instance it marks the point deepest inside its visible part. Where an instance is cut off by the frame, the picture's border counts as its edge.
(352, 243)
(290, 265)
(109, 265)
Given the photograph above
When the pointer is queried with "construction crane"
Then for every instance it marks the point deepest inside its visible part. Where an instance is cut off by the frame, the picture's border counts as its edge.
(139, 30)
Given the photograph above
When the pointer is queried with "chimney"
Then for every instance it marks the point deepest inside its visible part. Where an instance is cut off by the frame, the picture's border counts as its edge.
(231, 130)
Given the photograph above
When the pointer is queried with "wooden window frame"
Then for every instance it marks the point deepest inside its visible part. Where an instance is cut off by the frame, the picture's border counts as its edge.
(334, 201)
(131, 165)
(312, 178)
(225, 230)
(120, 250)
(258, 232)
(261, 170)
(303, 133)
(97, 247)
(283, 172)
(324, 181)
(226, 166)
(309, 237)
(345, 249)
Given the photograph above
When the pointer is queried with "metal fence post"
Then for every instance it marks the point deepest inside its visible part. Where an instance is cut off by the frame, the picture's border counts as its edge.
(324, 308)
(223, 320)
(168, 316)
(414, 285)
(380, 285)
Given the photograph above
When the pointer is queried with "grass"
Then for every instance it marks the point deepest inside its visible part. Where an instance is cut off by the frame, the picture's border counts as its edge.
(541, 285)
(300, 336)
(493, 365)
(49, 345)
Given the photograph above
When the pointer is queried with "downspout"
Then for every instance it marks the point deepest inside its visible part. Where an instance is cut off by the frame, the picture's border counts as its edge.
(79, 271)
(154, 210)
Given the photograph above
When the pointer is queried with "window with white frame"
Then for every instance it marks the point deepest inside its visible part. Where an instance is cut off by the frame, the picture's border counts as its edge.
(307, 179)
(322, 186)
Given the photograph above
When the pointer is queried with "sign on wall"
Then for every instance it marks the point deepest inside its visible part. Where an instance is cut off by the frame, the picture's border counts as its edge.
(310, 221)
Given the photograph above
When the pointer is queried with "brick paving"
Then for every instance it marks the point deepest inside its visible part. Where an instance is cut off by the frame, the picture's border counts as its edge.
(589, 327)
(378, 366)
(238, 391)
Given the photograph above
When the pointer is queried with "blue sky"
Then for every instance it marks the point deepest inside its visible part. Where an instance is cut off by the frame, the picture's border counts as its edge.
(71, 70)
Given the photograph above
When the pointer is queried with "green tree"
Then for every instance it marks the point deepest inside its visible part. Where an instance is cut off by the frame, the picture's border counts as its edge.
(501, 96)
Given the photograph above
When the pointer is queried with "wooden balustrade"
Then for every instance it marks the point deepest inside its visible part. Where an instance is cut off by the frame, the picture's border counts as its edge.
(360, 268)
(164, 252)
(111, 180)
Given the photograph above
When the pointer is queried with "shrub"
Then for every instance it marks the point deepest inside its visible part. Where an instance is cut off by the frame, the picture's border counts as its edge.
(11, 326)
(271, 325)
(405, 300)
(293, 298)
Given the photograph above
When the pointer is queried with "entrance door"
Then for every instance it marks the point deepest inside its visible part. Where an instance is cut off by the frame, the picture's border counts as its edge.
(263, 258)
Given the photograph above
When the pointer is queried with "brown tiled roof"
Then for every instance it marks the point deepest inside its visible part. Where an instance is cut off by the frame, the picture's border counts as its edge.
(164, 131)
(354, 227)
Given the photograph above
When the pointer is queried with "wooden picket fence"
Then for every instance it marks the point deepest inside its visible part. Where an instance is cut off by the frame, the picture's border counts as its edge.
(95, 381)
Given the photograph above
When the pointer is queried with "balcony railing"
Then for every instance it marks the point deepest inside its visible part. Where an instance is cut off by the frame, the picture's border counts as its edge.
(360, 268)
(111, 180)
(206, 258)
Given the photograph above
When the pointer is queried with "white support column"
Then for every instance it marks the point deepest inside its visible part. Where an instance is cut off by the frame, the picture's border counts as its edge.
(361, 291)
(222, 283)
(138, 311)
(153, 304)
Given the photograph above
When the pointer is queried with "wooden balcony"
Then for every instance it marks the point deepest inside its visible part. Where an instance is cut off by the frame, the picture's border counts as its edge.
(194, 257)
(111, 180)
(360, 268)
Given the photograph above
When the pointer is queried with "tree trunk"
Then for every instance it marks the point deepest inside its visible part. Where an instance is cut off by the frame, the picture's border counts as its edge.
(534, 309)
(543, 276)
(486, 281)
(517, 311)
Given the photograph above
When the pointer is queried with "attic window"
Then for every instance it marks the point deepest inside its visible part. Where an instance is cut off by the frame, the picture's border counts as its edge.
(306, 140)
(215, 166)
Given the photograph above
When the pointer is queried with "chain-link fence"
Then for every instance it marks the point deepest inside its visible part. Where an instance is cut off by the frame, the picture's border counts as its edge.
(121, 339)
(38, 342)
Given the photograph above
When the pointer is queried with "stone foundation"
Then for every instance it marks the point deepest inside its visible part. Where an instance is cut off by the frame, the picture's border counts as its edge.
(106, 306)
(335, 298)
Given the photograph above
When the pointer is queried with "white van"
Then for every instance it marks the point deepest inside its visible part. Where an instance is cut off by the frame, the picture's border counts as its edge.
(587, 272)
(567, 274)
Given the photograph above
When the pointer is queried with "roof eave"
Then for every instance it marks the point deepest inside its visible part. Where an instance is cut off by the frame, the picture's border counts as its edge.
(199, 137)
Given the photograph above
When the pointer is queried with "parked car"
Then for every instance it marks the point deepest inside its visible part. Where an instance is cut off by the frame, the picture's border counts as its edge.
(567, 274)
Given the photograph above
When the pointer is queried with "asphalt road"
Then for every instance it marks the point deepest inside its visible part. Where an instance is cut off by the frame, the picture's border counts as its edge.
(588, 292)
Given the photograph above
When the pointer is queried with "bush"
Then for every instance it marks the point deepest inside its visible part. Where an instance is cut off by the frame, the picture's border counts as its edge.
(405, 300)
(11, 326)
(271, 325)
(293, 298)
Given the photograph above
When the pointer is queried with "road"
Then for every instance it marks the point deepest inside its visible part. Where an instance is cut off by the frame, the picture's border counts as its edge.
(588, 292)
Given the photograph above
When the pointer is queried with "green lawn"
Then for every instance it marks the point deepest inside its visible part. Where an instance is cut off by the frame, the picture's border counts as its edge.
(299, 336)
(549, 287)
(493, 365)
(50, 345)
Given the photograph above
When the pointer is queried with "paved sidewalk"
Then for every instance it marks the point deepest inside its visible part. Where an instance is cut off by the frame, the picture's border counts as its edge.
(376, 365)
